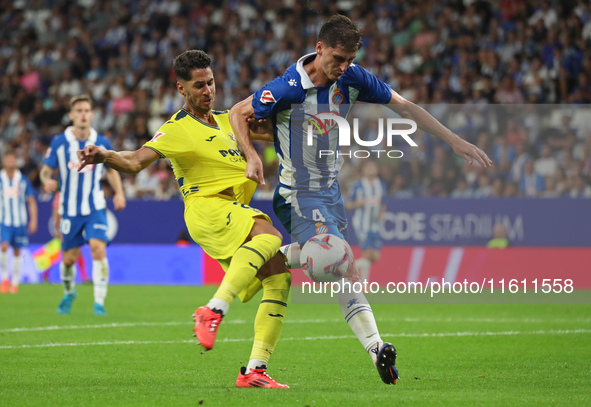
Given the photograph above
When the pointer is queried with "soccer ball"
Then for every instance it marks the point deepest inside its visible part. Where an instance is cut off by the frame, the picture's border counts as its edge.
(325, 258)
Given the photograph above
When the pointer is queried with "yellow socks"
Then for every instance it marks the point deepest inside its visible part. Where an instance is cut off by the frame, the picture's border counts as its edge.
(269, 320)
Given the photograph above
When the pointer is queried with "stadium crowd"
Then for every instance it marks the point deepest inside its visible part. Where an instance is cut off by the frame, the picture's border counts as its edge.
(473, 54)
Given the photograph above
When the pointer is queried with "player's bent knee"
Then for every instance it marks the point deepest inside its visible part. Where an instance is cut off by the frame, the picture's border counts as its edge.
(276, 265)
(263, 226)
(97, 249)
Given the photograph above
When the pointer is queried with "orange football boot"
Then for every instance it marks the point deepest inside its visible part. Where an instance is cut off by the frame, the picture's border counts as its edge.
(258, 378)
(206, 326)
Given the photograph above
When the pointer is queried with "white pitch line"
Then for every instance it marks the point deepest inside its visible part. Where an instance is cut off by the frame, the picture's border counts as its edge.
(305, 338)
(288, 322)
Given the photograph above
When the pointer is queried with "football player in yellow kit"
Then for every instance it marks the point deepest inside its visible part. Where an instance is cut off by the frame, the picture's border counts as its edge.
(203, 152)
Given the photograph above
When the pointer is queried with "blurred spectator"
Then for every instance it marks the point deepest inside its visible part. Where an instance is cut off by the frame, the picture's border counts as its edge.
(532, 183)
(546, 164)
(462, 190)
(499, 240)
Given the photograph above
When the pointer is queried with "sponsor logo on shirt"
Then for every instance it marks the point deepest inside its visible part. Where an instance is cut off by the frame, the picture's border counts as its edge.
(75, 165)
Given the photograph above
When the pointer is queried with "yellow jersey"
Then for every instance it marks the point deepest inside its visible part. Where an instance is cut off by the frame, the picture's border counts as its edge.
(204, 157)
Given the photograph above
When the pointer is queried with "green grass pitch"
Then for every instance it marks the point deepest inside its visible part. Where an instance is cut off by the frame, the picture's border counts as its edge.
(143, 354)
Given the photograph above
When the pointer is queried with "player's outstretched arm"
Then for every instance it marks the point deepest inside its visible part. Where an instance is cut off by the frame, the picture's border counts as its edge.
(122, 161)
(429, 124)
(239, 115)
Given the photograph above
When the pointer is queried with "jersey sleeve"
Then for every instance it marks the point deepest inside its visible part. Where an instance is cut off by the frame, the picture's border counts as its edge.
(275, 97)
(169, 141)
(371, 89)
(51, 155)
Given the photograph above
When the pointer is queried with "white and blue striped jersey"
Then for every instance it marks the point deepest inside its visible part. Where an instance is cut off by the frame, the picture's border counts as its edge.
(13, 194)
(300, 166)
(367, 217)
(80, 192)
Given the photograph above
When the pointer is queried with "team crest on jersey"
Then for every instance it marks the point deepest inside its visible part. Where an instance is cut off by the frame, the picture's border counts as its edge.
(267, 97)
(157, 136)
(232, 136)
(321, 228)
(337, 97)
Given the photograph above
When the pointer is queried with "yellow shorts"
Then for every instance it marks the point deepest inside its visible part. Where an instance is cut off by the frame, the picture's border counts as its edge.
(220, 225)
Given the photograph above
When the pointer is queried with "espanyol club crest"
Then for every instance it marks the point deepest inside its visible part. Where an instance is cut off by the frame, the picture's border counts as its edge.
(267, 97)
(321, 228)
(337, 97)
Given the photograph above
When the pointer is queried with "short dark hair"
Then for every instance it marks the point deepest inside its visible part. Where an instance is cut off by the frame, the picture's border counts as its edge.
(80, 98)
(10, 151)
(188, 61)
(340, 30)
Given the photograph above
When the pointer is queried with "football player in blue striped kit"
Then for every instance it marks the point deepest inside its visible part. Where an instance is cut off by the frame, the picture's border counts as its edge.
(82, 202)
(16, 193)
(367, 198)
(308, 192)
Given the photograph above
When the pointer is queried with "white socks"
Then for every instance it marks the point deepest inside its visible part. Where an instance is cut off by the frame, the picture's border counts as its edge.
(16, 268)
(100, 280)
(291, 252)
(219, 304)
(68, 276)
(359, 316)
(4, 265)
(255, 364)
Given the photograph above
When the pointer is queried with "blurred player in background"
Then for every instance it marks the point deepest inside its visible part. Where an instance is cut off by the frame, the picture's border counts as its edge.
(16, 193)
(55, 215)
(200, 144)
(308, 189)
(82, 202)
(368, 199)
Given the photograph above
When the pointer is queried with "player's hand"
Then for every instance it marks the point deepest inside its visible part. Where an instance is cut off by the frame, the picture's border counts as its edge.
(91, 155)
(259, 126)
(470, 152)
(119, 202)
(32, 227)
(50, 185)
(254, 169)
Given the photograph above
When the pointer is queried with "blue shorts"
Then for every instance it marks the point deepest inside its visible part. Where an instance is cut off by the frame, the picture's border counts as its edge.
(78, 230)
(16, 236)
(369, 239)
(305, 214)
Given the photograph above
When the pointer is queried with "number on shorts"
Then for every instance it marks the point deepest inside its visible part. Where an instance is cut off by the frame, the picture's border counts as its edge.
(65, 226)
(316, 215)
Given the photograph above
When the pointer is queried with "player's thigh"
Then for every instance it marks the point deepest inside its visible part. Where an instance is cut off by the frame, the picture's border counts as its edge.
(219, 225)
(20, 237)
(312, 215)
(98, 248)
(6, 236)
